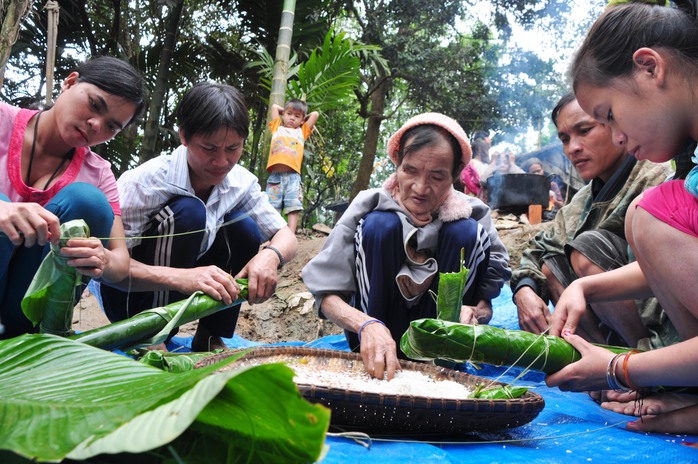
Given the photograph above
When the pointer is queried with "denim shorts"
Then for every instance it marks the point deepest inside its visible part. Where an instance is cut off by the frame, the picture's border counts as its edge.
(285, 192)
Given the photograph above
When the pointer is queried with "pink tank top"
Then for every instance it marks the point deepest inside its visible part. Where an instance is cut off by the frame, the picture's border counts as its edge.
(86, 166)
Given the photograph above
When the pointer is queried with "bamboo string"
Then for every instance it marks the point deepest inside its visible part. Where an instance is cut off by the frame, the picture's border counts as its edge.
(179, 234)
(368, 439)
(528, 368)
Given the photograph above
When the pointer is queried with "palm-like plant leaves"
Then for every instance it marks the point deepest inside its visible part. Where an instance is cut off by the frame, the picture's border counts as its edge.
(60, 398)
(327, 78)
(330, 74)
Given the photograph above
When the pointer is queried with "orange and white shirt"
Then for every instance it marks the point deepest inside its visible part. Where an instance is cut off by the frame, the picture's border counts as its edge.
(287, 145)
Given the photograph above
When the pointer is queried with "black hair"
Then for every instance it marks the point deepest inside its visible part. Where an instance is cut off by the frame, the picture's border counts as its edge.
(481, 134)
(481, 150)
(426, 135)
(298, 105)
(526, 165)
(116, 77)
(565, 100)
(208, 106)
(608, 49)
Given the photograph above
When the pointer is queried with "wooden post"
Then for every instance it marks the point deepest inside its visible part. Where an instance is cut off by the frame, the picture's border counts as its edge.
(535, 214)
(52, 8)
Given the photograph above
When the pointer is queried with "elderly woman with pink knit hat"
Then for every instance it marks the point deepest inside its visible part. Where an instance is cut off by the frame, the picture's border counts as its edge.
(374, 273)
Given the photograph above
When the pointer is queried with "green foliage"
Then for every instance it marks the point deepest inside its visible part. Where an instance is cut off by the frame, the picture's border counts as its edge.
(329, 75)
(170, 362)
(63, 399)
(527, 90)
(330, 162)
(326, 79)
(433, 56)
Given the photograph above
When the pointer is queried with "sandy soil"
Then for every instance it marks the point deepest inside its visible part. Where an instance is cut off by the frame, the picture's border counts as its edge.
(289, 315)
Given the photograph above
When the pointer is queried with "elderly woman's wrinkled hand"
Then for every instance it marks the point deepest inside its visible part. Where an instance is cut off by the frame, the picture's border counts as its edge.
(379, 352)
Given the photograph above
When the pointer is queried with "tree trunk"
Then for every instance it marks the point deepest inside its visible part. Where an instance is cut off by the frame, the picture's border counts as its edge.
(278, 82)
(12, 14)
(373, 126)
(152, 125)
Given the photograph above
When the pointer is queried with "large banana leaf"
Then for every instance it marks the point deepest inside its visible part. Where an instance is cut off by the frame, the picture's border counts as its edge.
(64, 399)
(428, 339)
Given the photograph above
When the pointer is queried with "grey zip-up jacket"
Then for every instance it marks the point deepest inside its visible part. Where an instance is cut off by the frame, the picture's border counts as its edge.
(332, 270)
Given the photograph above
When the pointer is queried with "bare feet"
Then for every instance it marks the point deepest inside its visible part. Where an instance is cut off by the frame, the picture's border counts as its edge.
(680, 421)
(603, 396)
(661, 412)
(203, 341)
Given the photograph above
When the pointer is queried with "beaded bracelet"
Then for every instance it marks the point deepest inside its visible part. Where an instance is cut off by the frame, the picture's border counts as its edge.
(611, 378)
(282, 260)
(370, 321)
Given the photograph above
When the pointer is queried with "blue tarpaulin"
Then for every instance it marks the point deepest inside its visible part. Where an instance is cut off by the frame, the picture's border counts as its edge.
(572, 428)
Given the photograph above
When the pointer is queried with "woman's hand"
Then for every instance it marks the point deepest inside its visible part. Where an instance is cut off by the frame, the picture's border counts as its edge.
(569, 309)
(587, 374)
(28, 224)
(87, 256)
(378, 351)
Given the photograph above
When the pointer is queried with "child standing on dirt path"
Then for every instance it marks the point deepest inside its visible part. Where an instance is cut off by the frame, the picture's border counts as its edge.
(290, 129)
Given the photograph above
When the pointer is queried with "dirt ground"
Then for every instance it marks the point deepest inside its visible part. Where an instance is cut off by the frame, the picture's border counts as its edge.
(289, 315)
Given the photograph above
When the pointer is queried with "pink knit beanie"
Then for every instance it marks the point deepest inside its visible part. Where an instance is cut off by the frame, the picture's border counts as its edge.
(436, 119)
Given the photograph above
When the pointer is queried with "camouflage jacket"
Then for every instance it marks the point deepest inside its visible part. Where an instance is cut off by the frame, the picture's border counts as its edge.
(595, 206)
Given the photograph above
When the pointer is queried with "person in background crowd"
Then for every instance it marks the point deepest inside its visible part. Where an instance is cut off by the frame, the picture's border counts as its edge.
(289, 131)
(535, 166)
(503, 162)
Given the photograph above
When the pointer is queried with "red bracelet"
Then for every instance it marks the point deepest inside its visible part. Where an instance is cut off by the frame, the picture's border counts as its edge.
(626, 377)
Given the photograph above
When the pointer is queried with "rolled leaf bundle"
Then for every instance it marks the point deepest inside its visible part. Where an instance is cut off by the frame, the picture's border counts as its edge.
(428, 339)
(50, 298)
(450, 292)
(152, 326)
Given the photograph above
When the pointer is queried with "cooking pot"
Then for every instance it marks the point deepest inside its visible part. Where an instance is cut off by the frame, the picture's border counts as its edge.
(517, 191)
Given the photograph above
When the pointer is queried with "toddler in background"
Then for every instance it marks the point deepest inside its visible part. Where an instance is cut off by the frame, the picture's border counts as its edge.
(289, 130)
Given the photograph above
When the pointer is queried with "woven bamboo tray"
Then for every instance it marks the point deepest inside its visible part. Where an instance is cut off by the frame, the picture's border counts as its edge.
(390, 414)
